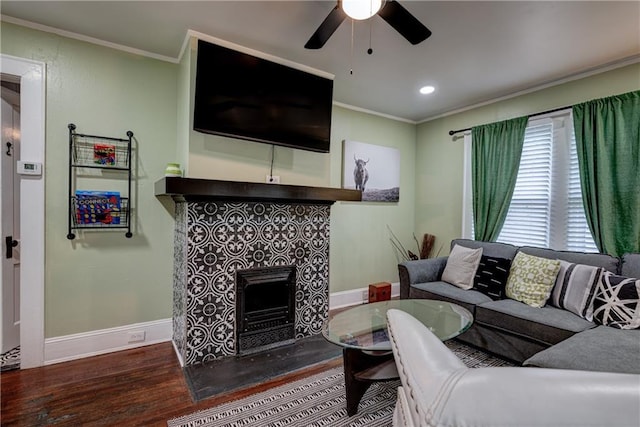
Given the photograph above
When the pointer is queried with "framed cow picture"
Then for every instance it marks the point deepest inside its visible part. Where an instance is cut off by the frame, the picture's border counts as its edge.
(374, 169)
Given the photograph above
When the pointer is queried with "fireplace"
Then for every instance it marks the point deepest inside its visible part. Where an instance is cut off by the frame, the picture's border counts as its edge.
(275, 238)
(214, 241)
(265, 312)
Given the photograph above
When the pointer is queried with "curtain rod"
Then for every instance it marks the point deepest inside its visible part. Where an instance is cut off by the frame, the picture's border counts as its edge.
(453, 132)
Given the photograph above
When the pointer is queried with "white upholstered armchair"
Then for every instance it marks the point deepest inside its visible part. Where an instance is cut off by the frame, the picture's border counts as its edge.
(439, 390)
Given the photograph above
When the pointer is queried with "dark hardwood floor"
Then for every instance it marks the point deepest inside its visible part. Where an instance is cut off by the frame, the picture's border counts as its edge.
(139, 387)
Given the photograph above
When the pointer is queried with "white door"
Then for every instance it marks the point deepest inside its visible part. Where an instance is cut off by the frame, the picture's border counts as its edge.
(10, 189)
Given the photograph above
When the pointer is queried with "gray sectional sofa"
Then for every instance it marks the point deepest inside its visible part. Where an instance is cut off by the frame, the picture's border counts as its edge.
(547, 337)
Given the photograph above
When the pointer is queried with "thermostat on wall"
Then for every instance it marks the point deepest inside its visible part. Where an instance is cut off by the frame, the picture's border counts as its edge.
(29, 168)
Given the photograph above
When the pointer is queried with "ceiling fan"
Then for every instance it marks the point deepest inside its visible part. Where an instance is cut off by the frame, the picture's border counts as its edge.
(390, 10)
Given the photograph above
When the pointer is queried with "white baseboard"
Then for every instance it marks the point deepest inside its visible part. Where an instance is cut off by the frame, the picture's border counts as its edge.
(93, 343)
(356, 296)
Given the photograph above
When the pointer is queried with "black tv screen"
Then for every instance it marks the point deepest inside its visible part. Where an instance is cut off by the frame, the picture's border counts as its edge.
(243, 96)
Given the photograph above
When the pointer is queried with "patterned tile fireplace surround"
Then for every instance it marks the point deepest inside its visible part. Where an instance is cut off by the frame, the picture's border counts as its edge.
(222, 227)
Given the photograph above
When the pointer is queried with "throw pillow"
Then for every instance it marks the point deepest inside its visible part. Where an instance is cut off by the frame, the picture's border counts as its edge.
(491, 276)
(461, 266)
(617, 301)
(531, 279)
(575, 288)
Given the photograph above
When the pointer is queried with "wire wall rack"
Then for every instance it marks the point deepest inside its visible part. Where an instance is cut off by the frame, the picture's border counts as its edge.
(94, 209)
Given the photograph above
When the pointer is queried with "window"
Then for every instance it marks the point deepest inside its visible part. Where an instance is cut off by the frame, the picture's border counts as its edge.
(546, 209)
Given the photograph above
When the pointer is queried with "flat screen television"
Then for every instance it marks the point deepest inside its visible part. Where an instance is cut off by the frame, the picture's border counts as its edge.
(242, 96)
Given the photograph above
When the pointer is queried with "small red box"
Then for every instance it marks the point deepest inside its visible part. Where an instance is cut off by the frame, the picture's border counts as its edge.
(379, 291)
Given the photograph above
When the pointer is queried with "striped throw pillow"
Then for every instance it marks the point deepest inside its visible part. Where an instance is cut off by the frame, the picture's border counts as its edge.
(575, 288)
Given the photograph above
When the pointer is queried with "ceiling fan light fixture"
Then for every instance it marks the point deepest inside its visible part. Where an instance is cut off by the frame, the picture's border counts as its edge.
(361, 9)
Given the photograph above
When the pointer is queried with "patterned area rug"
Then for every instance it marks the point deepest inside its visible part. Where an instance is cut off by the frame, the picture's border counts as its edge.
(318, 401)
(10, 360)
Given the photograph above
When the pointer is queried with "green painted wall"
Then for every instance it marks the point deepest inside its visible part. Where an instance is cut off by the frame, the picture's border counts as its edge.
(439, 157)
(103, 280)
(361, 252)
(184, 109)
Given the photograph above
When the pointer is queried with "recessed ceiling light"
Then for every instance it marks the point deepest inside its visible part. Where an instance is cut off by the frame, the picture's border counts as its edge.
(425, 90)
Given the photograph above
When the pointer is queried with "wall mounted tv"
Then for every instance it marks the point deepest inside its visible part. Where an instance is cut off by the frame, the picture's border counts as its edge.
(243, 96)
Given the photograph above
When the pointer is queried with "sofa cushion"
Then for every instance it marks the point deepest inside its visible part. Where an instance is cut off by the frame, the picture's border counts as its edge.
(447, 292)
(531, 279)
(548, 325)
(461, 266)
(617, 301)
(491, 276)
(599, 349)
(607, 262)
(630, 265)
(575, 288)
(500, 250)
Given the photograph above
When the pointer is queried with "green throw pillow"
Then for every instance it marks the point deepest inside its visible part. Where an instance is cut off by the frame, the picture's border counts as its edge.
(531, 279)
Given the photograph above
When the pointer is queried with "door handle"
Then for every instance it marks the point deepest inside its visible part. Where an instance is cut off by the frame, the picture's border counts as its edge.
(10, 243)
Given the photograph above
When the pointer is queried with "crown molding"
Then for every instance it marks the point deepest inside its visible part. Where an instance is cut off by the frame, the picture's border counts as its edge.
(630, 60)
(88, 39)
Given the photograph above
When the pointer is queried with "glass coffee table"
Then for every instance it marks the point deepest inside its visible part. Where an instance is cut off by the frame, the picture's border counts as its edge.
(362, 332)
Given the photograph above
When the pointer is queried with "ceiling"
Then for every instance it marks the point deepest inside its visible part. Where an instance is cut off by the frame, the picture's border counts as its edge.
(479, 51)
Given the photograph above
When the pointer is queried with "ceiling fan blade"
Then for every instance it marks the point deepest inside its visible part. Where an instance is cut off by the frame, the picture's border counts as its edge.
(404, 22)
(326, 29)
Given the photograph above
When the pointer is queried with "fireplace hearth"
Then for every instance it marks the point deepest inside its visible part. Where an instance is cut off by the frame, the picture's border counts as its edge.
(265, 312)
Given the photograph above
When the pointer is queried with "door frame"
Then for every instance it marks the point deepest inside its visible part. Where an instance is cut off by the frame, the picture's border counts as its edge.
(32, 225)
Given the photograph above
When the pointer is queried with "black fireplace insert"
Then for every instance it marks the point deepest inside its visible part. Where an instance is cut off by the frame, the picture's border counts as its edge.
(265, 311)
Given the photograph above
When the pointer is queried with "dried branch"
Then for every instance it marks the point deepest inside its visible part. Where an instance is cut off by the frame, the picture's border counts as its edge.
(398, 245)
(424, 250)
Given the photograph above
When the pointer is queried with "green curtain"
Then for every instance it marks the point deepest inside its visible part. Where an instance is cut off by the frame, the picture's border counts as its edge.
(496, 151)
(608, 142)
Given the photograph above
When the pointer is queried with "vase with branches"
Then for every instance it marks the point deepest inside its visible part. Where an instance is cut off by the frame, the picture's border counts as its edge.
(423, 251)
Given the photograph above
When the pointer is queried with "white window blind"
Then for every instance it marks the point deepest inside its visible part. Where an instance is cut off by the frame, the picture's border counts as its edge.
(527, 221)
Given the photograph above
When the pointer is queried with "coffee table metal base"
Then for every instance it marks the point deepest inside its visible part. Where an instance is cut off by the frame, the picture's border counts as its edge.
(363, 368)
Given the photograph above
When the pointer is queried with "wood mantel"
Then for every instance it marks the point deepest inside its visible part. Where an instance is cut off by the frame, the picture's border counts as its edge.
(195, 189)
